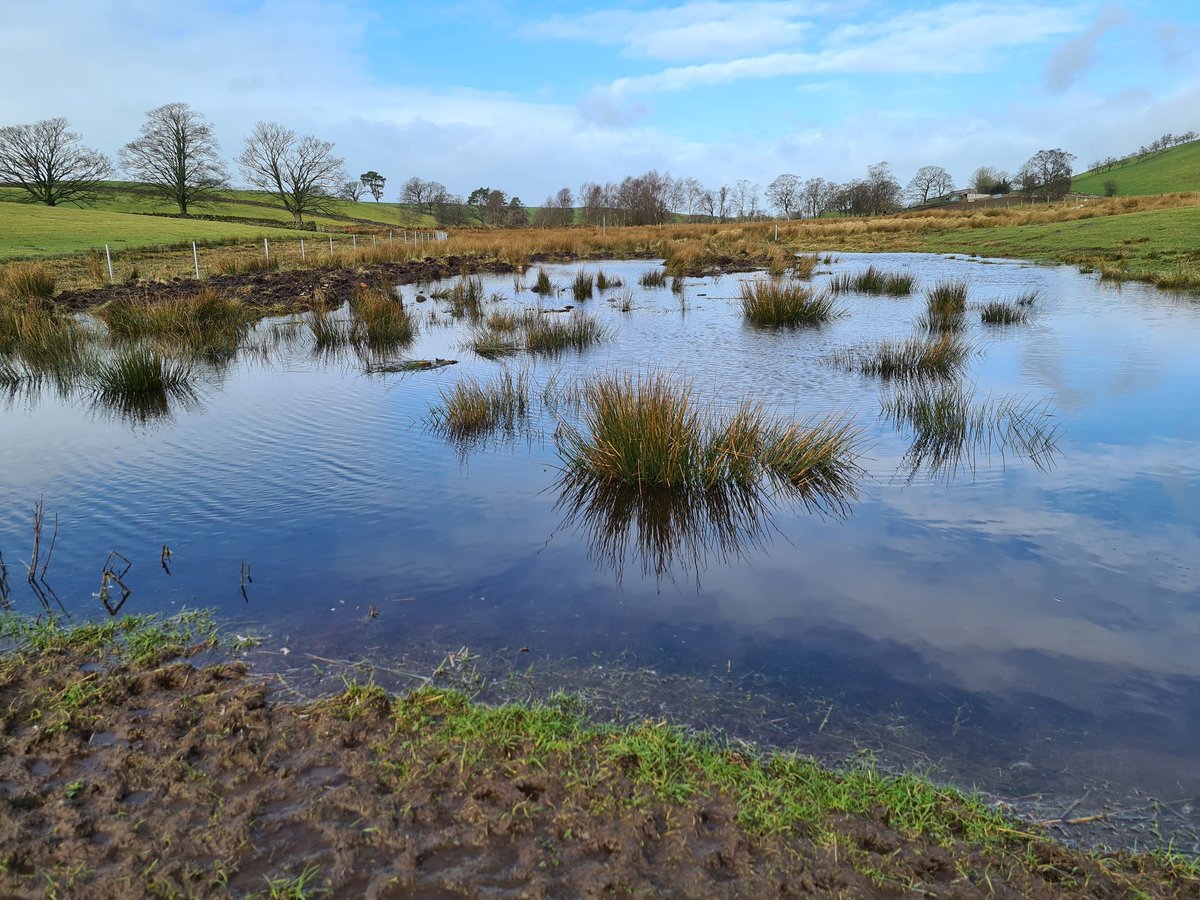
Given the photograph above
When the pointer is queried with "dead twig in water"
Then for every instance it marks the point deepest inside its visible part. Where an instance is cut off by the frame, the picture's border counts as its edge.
(50, 552)
(109, 573)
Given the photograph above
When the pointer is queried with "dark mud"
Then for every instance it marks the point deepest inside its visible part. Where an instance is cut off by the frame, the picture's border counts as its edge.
(170, 777)
(289, 289)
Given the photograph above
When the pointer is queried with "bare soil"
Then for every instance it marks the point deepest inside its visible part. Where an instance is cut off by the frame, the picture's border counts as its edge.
(175, 778)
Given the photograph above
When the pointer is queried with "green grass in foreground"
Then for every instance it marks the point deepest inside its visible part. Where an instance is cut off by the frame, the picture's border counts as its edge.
(1177, 169)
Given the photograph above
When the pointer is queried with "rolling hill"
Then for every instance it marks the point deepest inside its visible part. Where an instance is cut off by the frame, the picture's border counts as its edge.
(1177, 169)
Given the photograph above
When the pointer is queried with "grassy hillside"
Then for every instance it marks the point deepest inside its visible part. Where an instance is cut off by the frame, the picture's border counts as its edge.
(125, 216)
(1177, 169)
(33, 231)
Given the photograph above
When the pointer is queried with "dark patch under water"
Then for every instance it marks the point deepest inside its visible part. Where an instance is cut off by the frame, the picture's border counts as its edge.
(1024, 626)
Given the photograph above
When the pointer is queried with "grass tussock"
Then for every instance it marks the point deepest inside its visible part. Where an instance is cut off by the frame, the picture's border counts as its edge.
(945, 307)
(646, 431)
(232, 263)
(804, 265)
(380, 321)
(654, 278)
(606, 282)
(912, 358)
(26, 281)
(43, 339)
(491, 342)
(582, 286)
(542, 284)
(998, 312)
(329, 332)
(140, 383)
(874, 281)
(472, 409)
(772, 303)
(205, 322)
(552, 334)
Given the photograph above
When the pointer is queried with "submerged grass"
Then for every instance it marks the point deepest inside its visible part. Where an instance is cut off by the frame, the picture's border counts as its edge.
(998, 312)
(772, 303)
(550, 335)
(653, 278)
(940, 357)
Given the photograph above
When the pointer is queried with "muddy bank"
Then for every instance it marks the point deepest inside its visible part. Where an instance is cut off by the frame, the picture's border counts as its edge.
(289, 289)
(132, 770)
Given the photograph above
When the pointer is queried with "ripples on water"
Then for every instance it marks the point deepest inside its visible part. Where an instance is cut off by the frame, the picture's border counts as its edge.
(1026, 626)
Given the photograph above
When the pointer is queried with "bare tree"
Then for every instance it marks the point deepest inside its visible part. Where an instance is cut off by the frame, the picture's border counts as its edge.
(988, 180)
(351, 190)
(1047, 172)
(374, 183)
(745, 197)
(178, 155)
(930, 181)
(301, 171)
(46, 161)
(816, 195)
(784, 193)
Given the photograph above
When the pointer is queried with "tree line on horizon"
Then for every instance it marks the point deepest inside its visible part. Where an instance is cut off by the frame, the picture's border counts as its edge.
(176, 153)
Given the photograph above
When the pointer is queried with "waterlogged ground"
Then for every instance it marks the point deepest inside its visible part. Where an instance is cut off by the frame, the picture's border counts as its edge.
(1026, 626)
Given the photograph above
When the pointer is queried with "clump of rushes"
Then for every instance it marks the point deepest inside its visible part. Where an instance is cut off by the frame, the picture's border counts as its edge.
(653, 278)
(542, 284)
(940, 357)
(471, 409)
(997, 312)
(206, 321)
(491, 342)
(645, 431)
(804, 265)
(550, 335)
(582, 286)
(21, 281)
(46, 341)
(235, 264)
(874, 281)
(466, 299)
(328, 333)
(606, 282)
(775, 304)
(946, 307)
(140, 383)
(380, 320)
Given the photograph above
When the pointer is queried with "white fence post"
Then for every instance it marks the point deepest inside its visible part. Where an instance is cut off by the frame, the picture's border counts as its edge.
(301, 249)
(108, 256)
(372, 240)
(266, 250)
(353, 242)
(331, 246)
(196, 260)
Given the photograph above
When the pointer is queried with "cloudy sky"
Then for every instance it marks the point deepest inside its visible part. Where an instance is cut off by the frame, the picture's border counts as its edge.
(529, 97)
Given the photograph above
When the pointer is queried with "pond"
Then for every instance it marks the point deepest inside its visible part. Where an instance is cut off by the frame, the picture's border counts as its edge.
(1023, 622)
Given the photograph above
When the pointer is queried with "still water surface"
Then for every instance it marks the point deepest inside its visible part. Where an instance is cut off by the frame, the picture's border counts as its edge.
(1028, 628)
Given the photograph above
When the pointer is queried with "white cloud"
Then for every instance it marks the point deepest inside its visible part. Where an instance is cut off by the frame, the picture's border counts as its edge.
(1071, 59)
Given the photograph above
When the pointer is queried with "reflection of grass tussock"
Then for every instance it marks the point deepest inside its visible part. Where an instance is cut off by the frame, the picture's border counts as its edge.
(952, 427)
(140, 383)
(875, 281)
(471, 409)
(772, 303)
(20, 281)
(939, 357)
(43, 339)
(645, 430)
(493, 341)
(583, 285)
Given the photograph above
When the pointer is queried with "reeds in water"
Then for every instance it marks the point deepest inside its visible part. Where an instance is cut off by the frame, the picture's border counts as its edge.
(207, 322)
(140, 383)
(646, 431)
(380, 321)
(940, 357)
(491, 342)
(653, 278)
(329, 332)
(44, 340)
(472, 410)
(997, 312)
(772, 303)
(582, 286)
(605, 282)
(945, 307)
(551, 335)
(23, 281)
(874, 281)
(542, 284)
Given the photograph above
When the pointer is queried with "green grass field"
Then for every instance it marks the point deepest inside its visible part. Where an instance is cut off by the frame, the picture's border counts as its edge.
(125, 217)
(1177, 169)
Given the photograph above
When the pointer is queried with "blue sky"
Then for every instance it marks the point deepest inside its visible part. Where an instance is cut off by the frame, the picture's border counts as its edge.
(531, 97)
